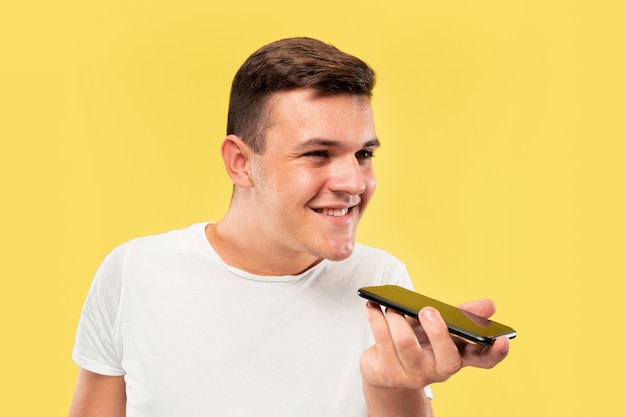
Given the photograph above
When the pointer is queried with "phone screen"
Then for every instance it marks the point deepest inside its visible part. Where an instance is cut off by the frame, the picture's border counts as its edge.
(461, 323)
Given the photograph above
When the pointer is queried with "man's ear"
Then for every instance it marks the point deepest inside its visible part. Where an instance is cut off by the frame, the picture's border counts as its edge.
(237, 157)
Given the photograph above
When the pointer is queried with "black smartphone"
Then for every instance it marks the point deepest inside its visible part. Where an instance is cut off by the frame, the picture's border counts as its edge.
(461, 323)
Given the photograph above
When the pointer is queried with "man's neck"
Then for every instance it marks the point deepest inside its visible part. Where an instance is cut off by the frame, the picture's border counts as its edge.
(240, 248)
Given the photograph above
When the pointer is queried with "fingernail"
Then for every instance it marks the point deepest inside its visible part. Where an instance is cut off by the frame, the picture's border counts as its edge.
(429, 314)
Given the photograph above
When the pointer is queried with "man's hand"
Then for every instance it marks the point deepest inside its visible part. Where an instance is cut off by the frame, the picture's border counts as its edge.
(408, 354)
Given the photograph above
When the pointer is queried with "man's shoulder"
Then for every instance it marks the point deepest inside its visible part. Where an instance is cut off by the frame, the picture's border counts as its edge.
(184, 233)
(158, 252)
(170, 241)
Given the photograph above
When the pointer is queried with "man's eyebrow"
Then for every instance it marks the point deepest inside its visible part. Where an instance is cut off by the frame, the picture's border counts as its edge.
(374, 143)
(329, 143)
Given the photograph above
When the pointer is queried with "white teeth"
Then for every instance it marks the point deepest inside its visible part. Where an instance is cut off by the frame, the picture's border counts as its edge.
(333, 212)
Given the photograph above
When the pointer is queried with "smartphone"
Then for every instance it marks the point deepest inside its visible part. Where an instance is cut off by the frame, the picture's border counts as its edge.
(461, 323)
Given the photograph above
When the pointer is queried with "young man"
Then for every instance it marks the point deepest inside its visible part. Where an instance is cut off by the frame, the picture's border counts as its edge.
(257, 314)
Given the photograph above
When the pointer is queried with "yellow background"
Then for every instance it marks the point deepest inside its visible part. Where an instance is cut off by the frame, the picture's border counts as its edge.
(501, 172)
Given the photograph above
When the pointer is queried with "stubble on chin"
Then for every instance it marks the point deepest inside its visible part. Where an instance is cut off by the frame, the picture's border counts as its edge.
(341, 253)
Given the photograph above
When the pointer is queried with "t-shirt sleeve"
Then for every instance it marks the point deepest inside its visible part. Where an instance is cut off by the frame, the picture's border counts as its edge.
(96, 347)
(400, 275)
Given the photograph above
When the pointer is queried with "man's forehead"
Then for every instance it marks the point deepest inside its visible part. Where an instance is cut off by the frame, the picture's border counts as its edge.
(315, 118)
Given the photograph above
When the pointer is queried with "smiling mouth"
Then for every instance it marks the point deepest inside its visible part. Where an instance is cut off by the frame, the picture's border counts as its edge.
(333, 212)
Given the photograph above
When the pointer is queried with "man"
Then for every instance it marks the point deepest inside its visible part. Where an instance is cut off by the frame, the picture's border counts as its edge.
(257, 314)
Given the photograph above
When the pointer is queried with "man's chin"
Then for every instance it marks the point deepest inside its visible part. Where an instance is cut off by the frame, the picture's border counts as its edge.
(340, 253)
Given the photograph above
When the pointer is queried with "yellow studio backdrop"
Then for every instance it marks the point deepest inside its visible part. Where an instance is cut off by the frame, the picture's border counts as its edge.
(501, 173)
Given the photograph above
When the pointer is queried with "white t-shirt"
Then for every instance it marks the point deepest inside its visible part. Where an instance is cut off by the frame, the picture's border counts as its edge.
(195, 337)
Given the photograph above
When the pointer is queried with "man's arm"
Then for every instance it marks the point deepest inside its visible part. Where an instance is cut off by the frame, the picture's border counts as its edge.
(390, 402)
(98, 396)
(409, 355)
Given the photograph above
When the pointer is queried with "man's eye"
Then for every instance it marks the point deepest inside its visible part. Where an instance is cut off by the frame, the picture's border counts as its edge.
(364, 154)
(317, 154)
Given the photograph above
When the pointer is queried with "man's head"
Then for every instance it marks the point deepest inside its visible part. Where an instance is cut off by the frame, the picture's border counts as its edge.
(289, 64)
(299, 152)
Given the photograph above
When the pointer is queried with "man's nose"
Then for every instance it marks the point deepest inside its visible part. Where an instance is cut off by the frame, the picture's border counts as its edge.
(347, 176)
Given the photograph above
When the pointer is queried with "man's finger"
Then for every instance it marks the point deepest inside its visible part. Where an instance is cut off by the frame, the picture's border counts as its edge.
(385, 348)
(481, 356)
(446, 355)
(482, 308)
(405, 341)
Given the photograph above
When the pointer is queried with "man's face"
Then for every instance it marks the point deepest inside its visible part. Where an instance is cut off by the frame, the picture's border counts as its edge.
(315, 178)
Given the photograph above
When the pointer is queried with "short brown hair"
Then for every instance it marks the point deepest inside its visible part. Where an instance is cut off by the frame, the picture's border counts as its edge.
(284, 65)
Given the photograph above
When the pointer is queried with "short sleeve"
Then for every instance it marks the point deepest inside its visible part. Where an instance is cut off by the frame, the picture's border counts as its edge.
(96, 347)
